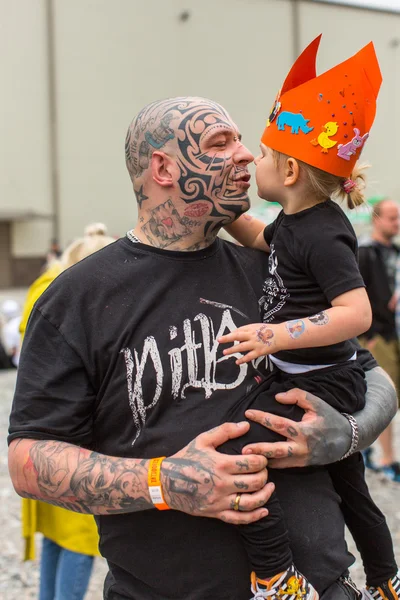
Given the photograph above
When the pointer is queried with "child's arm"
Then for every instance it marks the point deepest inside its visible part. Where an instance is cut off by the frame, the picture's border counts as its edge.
(349, 317)
(249, 232)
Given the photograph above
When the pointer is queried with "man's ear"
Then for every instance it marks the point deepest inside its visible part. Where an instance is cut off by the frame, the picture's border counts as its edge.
(291, 171)
(163, 169)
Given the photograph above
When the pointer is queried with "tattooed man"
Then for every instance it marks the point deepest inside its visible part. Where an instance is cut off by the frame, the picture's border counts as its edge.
(121, 364)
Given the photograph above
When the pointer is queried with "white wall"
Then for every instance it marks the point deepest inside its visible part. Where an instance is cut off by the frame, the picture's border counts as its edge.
(114, 56)
(111, 62)
(24, 127)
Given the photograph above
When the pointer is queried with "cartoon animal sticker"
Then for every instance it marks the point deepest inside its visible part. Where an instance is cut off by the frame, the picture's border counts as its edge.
(276, 107)
(294, 586)
(323, 139)
(346, 151)
(294, 120)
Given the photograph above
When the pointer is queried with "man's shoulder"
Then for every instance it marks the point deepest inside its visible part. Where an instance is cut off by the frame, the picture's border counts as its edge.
(84, 277)
(247, 257)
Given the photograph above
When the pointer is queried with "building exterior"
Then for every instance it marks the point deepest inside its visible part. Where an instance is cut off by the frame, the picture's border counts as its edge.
(75, 72)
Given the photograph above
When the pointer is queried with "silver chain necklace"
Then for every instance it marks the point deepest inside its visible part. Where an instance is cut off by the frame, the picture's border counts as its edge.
(133, 237)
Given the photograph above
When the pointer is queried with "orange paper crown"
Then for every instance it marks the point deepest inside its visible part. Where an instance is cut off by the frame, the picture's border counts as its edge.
(324, 121)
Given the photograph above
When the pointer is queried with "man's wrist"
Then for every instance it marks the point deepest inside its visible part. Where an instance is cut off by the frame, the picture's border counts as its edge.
(155, 485)
(355, 438)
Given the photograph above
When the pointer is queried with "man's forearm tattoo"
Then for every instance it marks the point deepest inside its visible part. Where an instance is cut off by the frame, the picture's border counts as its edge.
(86, 481)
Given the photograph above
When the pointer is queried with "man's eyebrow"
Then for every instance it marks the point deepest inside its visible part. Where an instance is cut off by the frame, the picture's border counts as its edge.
(223, 131)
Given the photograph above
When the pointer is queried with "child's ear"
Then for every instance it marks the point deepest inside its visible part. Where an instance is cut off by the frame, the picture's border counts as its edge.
(291, 171)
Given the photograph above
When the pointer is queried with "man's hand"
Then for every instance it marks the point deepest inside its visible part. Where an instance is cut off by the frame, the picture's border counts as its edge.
(201, 481)
(321, 437)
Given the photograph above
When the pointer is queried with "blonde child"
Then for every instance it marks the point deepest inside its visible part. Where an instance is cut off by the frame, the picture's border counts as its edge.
(314, 299)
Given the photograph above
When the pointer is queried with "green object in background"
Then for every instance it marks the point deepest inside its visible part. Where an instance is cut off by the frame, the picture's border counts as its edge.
(375, 199)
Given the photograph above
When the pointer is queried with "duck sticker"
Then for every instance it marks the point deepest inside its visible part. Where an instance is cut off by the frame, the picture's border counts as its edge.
(323, 139)
(346, 151)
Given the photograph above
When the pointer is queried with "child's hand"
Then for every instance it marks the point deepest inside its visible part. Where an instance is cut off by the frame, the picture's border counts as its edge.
(257, 340)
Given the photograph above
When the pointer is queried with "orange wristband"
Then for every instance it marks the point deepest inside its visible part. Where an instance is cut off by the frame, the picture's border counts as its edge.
(154, 483)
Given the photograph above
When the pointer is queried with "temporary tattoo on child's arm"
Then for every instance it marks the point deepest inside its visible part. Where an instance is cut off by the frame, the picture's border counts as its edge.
(264, 334)
(320, 318)
(295, 328)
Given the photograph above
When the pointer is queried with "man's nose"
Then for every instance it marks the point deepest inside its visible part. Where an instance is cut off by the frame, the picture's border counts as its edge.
(242, 155)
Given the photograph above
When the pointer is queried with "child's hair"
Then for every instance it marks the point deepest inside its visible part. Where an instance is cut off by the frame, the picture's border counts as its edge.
(325, 185)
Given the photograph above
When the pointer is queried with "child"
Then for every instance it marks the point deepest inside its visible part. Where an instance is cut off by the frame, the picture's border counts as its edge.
(315, 299)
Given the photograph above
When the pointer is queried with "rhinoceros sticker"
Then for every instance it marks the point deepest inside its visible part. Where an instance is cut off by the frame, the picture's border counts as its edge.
(294, 120)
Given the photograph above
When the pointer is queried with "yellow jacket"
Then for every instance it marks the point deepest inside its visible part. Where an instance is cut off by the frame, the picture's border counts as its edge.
(70, 530)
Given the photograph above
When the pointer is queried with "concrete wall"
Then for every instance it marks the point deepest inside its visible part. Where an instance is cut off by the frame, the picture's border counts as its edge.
(113, 56)
(24, 124)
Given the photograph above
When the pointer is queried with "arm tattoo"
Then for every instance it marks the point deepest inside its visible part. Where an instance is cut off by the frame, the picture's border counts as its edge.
(86, 481)
(381, 406)
(320, 318)
(295, 328)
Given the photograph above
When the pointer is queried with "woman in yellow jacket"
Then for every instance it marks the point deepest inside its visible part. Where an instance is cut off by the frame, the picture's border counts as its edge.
(70, 540)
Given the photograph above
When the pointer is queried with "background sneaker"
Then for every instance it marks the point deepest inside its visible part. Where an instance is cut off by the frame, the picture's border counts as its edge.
(369, 463)
(392, 471)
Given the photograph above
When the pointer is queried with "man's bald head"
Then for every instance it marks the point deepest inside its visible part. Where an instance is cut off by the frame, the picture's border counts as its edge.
(187, 162)
(156, 127)
(386, 219)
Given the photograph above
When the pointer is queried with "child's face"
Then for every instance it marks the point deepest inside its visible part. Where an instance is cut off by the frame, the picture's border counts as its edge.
(268, 176)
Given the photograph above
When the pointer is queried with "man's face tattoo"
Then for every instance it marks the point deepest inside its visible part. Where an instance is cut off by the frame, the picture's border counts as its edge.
(212, 162)
(211, 178)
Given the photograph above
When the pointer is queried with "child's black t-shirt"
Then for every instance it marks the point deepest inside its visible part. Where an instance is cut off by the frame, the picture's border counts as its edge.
(313, 260)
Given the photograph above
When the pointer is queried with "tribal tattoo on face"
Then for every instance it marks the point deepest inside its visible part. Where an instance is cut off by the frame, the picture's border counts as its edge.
(212, 161)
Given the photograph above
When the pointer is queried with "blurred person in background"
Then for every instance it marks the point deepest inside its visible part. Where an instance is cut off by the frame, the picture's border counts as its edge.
(70, 539)
(11, 314)
(378, 258)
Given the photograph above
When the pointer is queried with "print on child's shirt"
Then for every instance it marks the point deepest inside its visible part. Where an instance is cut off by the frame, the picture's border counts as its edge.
(275, 292)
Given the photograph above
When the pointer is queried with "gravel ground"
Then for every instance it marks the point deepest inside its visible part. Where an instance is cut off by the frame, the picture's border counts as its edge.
(19, 581)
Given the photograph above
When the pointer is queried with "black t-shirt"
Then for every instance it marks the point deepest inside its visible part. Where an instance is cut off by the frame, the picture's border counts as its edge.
(313, 259)
(120, 356)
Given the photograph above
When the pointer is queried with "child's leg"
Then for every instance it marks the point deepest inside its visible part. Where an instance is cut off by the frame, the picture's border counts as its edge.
(267, 541)
(365, 521)
(343, 387)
